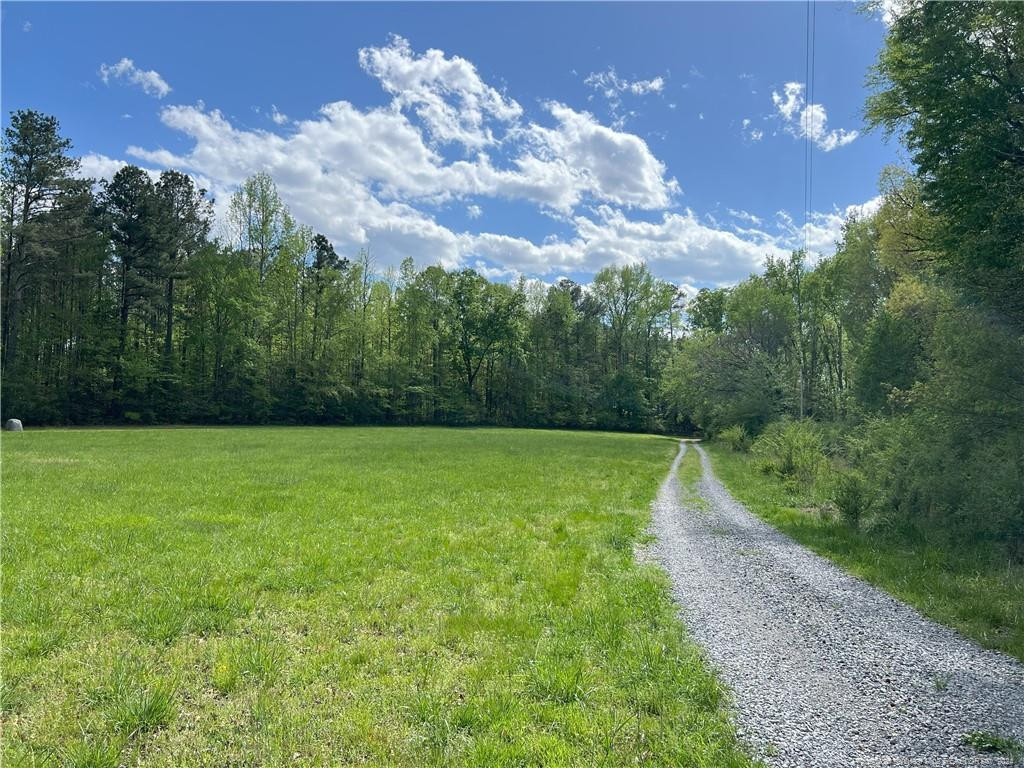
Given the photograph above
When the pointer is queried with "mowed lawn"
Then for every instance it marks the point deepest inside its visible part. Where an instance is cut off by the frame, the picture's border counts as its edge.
(349, 596)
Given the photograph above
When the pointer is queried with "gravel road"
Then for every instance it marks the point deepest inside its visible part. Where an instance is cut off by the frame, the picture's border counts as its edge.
(825, 670)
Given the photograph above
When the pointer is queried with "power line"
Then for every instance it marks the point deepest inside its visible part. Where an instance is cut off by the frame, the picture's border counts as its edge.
(810, 106)
(805, 113)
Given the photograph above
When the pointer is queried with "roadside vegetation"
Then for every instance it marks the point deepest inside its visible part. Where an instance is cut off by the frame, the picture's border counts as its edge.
(312, 596)
(885, 383)
(970, 586)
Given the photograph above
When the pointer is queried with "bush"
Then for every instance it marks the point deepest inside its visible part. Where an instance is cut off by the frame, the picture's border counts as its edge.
(852, 497)
(790, 449)
(735, 437)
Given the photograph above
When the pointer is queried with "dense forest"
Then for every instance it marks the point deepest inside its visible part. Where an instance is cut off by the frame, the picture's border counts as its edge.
(899, 359)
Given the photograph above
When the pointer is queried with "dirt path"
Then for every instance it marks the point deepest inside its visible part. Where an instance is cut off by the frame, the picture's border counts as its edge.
(825, 669)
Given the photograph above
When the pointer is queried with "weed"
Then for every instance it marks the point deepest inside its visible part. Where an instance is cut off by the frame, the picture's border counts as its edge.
(986, 741)
(259, 658)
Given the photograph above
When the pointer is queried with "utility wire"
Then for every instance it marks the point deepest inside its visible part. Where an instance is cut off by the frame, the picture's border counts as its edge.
(810, 104)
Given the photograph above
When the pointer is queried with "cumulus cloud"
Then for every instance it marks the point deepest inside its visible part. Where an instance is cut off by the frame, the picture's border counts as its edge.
(889, 10)
(804, 120)
(445, 92)
(556, 167)
(823, 229)
(103, 168)
(125, 70)
(377, 176)
(610, 165)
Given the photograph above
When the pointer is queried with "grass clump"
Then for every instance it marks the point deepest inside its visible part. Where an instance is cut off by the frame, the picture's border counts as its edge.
(144, 709)
(986, 741)
(88, 754)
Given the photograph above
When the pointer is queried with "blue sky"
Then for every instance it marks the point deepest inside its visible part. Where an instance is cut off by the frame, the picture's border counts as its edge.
(537, 139)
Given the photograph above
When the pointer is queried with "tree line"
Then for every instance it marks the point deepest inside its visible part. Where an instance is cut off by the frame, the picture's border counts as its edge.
(119, 306)
(893, 371)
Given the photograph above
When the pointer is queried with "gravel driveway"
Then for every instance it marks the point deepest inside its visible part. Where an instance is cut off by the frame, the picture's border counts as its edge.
(825, 670)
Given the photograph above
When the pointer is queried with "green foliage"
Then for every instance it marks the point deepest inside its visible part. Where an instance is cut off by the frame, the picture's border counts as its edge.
(791, 449)
(145, 709)
(736, 437)
(907, 345)
(706, 310)
(852, 497)
(986, 741)
(949, 81)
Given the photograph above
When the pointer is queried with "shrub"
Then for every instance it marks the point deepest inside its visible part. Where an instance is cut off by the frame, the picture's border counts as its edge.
(735, 437)
(791, 449)
(852, 497)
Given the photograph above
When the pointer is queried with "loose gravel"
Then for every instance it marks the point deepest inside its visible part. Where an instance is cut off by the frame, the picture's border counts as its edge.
(825, 669)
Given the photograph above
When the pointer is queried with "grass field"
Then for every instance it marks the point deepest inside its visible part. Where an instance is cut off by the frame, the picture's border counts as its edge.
(401, 597)
(976, 594)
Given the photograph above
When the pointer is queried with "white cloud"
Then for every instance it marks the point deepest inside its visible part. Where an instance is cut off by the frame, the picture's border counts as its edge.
(278, 117)
(824, 228)
(376, 177)
(610, 165)
(103, 168)
(745, 216)
(26, 27)
(446, 93)
(556, 167)
(751, 134)
(149, 80)
(610, 85)
(804, 120)
(889, 10)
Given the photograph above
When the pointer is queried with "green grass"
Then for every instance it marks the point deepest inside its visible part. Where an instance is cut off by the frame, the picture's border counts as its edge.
(400, 597)
(985, 741)
(980, 597)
